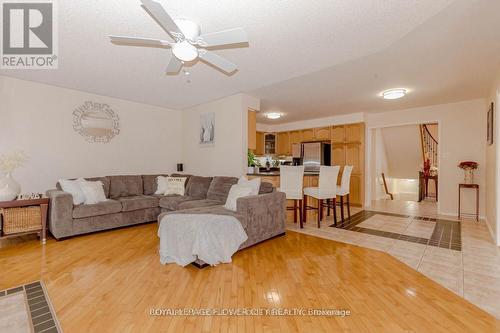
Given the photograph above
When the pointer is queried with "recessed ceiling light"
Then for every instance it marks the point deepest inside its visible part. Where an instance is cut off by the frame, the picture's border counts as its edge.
(394, 93)
(273, 115)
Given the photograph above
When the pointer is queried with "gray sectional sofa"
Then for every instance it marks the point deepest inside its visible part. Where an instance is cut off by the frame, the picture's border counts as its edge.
(131, 200)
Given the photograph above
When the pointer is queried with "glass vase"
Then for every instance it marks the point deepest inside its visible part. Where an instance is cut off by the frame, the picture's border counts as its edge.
(9, 188)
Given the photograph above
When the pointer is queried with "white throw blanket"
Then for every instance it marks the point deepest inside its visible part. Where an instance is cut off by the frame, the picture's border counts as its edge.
(211, 238)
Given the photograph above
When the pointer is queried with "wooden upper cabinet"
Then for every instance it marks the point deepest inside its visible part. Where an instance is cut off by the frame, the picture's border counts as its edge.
(307, 134)
(283, 143)
(259, 147)
(294, 137)
(338, 134)
(355, 132)
(322, 133)
(252, 130)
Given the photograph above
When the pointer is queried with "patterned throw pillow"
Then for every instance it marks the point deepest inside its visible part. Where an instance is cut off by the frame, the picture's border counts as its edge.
(175, 185)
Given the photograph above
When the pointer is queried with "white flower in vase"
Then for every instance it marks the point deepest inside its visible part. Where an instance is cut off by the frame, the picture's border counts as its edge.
(9, 188)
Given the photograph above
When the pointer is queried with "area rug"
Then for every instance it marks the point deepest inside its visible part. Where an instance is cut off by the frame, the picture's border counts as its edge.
(27, 308)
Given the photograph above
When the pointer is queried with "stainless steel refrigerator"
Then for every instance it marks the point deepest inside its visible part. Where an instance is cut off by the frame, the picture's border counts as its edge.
(312, 154)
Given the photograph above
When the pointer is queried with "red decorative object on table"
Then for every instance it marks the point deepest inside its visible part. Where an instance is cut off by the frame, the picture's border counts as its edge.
(427, 167)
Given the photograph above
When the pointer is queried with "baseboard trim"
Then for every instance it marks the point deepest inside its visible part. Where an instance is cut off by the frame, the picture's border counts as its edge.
(492, 234)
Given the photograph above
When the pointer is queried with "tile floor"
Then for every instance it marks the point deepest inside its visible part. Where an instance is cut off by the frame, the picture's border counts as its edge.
(472, 272)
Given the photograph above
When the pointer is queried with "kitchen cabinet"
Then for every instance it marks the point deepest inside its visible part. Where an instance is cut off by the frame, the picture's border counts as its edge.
(283, 144)
(293, 137)
(322, 133)
(259, 146)
(252, 130)
(307, 134)
(338, 134)
(338, 154)
(354, 157)
(270, 143)
(354, 132)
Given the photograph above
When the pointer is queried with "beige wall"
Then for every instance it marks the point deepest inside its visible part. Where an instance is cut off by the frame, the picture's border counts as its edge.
(492, 175)
(462, 136)
(37, 119)
(403, 151)
(228, 155)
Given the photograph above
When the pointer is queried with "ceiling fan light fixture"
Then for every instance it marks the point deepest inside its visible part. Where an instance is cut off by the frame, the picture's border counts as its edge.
(394, 93)
(273, 115)
(184, 51)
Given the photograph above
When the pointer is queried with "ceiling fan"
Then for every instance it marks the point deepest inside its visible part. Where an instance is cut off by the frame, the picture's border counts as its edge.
(189, 44)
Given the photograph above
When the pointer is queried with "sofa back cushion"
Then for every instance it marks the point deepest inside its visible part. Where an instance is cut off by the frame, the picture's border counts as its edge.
(219, 188)
(266, 187)
(106, 182)
(197, 187)
(124, 186)
(149, 183)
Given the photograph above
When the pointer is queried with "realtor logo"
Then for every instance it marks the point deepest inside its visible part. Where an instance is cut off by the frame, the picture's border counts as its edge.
(29, 35)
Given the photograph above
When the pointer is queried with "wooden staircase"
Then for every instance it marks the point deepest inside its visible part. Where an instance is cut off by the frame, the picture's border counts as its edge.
(429, 146)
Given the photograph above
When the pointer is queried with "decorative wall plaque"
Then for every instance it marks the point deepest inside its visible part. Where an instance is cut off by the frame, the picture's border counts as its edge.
(96, 122)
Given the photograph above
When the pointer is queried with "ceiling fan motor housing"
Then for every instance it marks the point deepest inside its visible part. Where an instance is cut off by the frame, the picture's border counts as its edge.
(190, 29)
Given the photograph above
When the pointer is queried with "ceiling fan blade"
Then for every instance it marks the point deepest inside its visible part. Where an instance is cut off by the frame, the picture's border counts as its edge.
(218, 61)
(139, 41)
(225, 37)
(174, 66)
(156, 10)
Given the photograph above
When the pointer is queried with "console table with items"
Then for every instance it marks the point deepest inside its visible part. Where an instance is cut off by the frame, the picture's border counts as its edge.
(20, 217)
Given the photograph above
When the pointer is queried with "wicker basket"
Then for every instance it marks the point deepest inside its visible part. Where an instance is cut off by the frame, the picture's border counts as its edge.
(21, 219)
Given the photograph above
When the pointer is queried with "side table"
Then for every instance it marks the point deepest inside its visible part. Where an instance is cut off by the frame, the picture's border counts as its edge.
(43, 203)
(474, 186)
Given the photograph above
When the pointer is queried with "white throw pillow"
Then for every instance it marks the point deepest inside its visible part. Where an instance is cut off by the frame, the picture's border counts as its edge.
(161, 184)
(93, 191)
(175, 185)
(254, 184)
(237, 191)
(73, 188)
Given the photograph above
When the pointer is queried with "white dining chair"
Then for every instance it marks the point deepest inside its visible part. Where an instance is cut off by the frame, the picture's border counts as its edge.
(291, 183)
(343, 191)
(327, 189)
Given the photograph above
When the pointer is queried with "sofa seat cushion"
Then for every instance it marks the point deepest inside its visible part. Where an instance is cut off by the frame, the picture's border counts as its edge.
(198, 204)
(102, 208)
(172, 202)
(138, 202)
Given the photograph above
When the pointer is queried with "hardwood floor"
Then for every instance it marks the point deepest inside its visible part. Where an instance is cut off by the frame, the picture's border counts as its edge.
(109, 281)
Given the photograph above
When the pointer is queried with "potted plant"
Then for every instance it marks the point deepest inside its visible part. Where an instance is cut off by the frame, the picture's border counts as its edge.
(468, 167)
(9, 188)
(253, 163)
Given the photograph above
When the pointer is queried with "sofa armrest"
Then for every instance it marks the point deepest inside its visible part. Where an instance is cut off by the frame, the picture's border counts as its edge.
(265, 215)
(60, 213)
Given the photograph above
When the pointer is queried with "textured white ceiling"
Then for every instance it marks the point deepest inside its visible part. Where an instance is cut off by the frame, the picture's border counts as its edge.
(287, 39)
(454, 56)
